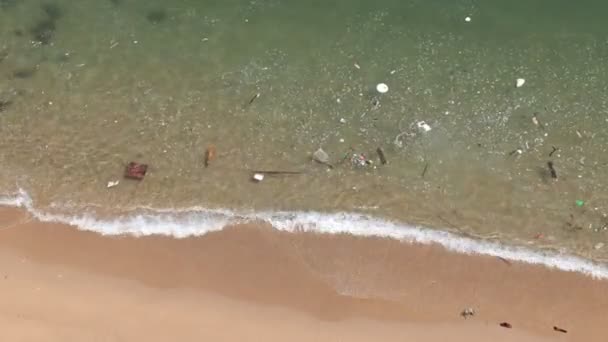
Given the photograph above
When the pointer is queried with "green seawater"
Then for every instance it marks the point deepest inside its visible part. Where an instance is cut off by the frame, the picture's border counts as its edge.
(87, 86)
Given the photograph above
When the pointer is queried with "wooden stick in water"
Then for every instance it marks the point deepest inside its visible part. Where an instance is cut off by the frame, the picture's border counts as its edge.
(426, 167)
(273, 172)
(553, 151)
(253, 98)
(381, 155)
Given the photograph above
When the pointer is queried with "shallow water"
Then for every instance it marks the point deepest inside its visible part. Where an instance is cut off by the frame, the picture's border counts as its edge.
(91, 85)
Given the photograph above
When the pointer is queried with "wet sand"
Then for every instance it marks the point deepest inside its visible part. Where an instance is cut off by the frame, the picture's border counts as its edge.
(254, 283)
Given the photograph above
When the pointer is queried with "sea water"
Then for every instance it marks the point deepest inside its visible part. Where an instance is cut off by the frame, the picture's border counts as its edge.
(88, 86)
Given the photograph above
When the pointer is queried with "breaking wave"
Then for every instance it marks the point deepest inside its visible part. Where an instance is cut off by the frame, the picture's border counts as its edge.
(199, 221)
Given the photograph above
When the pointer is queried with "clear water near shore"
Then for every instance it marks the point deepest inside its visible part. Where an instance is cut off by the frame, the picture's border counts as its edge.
(91, 85)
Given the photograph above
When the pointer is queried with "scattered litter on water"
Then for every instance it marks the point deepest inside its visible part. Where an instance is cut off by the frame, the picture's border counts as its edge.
(136, 170)
(382, 88)
(112, 184)
(381, 156)
(210, 154)
(258, 177)
(552, 170)
(423, 126)
(520, 82)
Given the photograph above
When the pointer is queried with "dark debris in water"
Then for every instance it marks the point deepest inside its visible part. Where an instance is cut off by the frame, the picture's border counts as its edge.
(157, 16)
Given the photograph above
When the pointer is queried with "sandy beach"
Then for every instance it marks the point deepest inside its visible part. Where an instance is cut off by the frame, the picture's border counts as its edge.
(252, 283)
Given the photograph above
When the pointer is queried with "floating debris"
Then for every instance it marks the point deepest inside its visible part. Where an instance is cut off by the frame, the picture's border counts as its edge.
(112, 184)
(210, 154)
(598, 245)
(382, 88)
(381, 156)
(552, 170)
(375, 103)
(518, 151)
(360, 160)
(258, 177)
(272, 172)
(426, 167)
(467, 19)
(536, 121)
(520, 82)
(253, 98)
(136, 171)
(423, 126)
(554, 149)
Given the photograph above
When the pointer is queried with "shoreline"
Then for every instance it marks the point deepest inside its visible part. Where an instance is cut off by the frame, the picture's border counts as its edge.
(333, 278)
(197, 221)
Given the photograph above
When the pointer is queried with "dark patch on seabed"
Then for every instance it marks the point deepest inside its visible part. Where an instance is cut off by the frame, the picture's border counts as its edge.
(24, 73)
(156, 16)
(44, 30)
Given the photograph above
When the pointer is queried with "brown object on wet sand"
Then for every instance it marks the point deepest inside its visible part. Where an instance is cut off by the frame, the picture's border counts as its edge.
(506, 325)
(210, 154)
(558, 329)
(136, 170)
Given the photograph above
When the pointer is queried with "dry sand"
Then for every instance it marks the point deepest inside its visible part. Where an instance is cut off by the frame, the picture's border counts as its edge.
(251, 283)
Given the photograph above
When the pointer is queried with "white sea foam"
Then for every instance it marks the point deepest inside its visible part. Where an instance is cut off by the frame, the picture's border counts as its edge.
(199, 221)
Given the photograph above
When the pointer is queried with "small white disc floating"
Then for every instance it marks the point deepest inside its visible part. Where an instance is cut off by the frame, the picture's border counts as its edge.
(520, 82)
(382, 88)
(467, 19)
